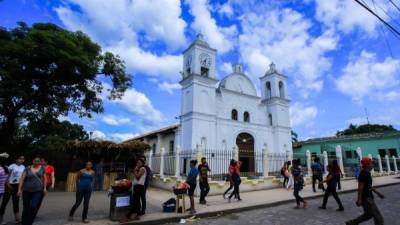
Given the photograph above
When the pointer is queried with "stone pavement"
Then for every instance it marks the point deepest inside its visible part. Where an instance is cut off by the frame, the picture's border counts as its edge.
(56, 205)
(286, 215)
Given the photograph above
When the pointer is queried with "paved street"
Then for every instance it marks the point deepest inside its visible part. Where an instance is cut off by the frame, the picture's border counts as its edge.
(287, 215)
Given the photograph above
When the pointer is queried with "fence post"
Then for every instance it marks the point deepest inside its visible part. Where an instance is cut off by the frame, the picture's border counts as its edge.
(370, 156)
(199, 153)
(308, 155)
(236, 153)
(388, 164)
(150, 159)
(177, 161)
(325, 154)
(359, 153)
(266, 164)
(380, 164)
(162, 162)
(339, 157)
(395, 164)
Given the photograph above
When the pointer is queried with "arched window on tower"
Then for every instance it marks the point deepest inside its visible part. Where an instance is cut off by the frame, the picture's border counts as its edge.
(268, 90)
(234, 115)
(246, 117)
(281, 90)
(270, 119)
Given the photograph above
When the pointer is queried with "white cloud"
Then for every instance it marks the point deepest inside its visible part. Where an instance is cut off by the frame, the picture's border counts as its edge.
(138, 103)
(98, 135)
(123, 26)
(301, 115)
(226, 10)
(122, 136)
(366, 76)
(169, 87)
(226, 68)
(218, 37)
(347, 15)
(116, 120)
(283, 36)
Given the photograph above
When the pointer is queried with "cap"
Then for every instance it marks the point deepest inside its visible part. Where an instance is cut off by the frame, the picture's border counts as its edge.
(366, 161)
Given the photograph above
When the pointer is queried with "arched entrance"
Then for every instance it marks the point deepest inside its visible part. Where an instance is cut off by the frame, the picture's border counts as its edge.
(245, 143)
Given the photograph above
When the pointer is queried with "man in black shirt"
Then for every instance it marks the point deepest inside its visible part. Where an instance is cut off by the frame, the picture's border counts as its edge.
(365, 196)
(203, 180)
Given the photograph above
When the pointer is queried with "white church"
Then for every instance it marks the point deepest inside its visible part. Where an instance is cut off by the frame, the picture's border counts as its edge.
(222, 114)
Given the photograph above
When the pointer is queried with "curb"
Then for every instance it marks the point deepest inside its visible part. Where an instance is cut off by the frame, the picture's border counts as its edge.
(241, 209)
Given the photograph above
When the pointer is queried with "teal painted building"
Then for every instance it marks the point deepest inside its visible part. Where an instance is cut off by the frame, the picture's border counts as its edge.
(374, 143)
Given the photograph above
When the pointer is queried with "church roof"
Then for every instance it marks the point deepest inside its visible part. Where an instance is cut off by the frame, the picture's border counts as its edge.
(200, 42)
(163, 130)
(237, 81)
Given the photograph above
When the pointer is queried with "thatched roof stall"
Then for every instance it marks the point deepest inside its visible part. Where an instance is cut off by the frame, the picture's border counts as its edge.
(117, 155)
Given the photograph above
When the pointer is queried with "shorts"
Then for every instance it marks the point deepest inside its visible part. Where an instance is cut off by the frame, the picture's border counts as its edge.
(191, 190)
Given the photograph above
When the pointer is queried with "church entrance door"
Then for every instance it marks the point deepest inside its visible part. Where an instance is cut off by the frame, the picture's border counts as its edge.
(245, 143)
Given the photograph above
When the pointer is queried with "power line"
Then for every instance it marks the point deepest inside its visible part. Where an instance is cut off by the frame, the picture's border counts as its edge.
(396, 6)
(384, 34)
(390, 27)
(383, 10)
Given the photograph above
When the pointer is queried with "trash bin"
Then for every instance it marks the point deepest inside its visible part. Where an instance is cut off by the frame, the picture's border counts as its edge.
(120, 204)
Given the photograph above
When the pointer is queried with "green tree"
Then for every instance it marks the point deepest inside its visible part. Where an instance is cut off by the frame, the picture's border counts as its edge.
(294, 136)
(49, 134)
(366, 128)
(46, 71)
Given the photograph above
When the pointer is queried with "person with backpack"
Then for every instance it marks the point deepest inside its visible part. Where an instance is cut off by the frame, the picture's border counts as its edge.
(366, 197)
(191, 180)
(32, 188)
(284, 174)
(236, 181)
(317, 174)
(331, 181)
(149, 176)
(231, 170)
(298, 183)
(203, 180)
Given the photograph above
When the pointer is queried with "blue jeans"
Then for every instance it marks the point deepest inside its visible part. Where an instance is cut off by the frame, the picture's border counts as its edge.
(31, 201)
(83, 194)
(296, 189)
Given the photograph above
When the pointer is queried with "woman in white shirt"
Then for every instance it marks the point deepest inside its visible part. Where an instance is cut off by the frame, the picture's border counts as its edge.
(15, 172)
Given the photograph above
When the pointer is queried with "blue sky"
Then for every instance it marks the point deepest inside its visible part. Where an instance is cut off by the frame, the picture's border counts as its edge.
(339, 59)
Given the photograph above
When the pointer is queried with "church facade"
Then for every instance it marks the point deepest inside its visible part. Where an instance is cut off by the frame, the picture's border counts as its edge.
(222, 114)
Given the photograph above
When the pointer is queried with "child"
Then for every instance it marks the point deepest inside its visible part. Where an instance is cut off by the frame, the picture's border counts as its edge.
(191, 180)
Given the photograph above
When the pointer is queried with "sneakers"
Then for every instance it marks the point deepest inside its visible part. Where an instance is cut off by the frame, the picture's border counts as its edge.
(341, 209)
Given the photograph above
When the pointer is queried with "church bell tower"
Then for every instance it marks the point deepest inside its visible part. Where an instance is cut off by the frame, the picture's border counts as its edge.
(198, 93)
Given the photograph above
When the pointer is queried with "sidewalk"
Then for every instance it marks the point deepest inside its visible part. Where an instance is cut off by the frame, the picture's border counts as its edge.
(215, 204)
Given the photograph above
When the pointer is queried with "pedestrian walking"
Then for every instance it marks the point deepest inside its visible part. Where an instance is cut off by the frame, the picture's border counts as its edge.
(15, 172)
(83, 191)
(32, 188)
(298, 183)
(317, 174)
(139, 197)
(285, 174)
(331, 181)
(99, 168)
(49, 173)
(4, 172)
(339, 173)
(191, 180)
(366, 197)
(203, 180)
(231, 170)
(236, 181)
